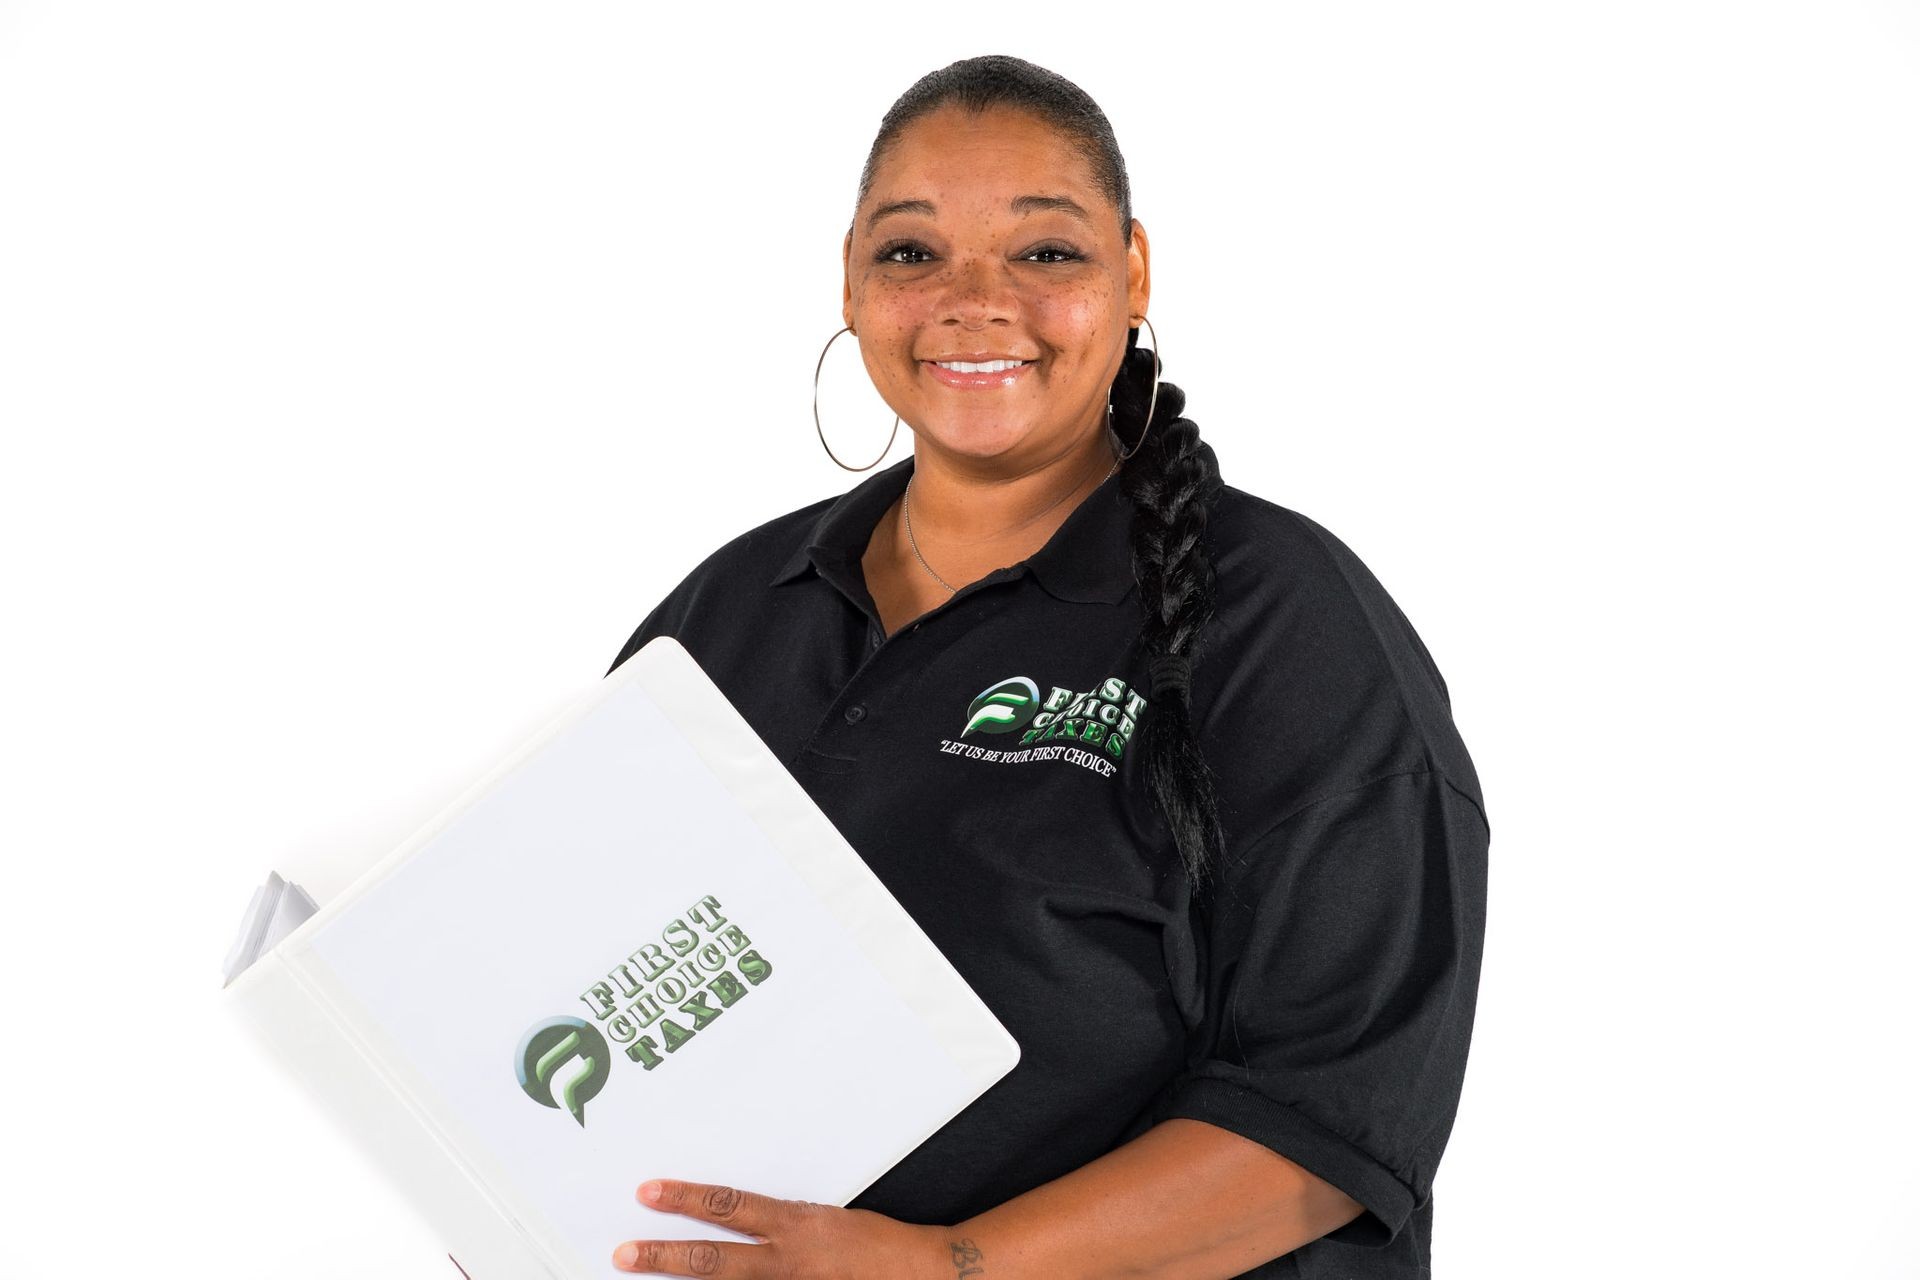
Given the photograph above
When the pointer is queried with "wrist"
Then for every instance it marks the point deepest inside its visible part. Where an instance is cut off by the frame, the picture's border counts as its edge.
(957, 1255)
(1002, 1243)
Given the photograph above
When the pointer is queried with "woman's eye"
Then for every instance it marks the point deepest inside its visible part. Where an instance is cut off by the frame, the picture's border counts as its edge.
(915, 254)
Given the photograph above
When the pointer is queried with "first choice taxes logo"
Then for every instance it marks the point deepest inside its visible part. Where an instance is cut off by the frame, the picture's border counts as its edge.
(651, 1005)
(1003, 708)
(1098, 723)
(563, 1042)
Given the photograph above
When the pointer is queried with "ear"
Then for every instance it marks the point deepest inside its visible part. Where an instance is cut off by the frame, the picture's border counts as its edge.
(1139, 275)
(846, 278)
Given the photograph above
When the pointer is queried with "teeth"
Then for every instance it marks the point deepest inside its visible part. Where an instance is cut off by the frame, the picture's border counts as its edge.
(985, 366)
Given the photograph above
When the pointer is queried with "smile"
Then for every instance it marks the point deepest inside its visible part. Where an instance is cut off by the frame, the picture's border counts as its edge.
(978, 375)
(971, 366)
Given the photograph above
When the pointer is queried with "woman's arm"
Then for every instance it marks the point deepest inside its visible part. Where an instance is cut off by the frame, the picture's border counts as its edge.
(1186, 1200)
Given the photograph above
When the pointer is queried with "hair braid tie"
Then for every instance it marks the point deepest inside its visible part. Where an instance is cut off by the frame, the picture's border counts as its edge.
(1170, 671)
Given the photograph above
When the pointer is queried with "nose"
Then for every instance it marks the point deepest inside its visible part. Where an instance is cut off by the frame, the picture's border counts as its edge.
(980, 292)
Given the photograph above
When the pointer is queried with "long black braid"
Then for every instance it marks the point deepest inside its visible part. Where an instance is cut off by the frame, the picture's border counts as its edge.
(1172, 480)
(1172, 477)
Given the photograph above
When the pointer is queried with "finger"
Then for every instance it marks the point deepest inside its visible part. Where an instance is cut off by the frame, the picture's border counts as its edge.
(745, 1211)
(711, 1258)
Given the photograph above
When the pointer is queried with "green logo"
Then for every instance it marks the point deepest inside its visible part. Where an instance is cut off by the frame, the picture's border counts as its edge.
(546, 1048)
(651, 1006)
(1005, 707)
(1087, 727)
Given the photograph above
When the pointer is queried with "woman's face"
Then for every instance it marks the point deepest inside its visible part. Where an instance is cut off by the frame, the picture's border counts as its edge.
(985, 238)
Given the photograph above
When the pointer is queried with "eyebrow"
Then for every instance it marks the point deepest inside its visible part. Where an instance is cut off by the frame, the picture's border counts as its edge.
(1019, 204)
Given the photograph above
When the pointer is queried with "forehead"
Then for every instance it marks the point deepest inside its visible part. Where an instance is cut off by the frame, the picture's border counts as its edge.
(982, 158)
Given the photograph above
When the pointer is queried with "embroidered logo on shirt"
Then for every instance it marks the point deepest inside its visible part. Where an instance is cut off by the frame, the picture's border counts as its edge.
(1007, 706)
(1090, 728)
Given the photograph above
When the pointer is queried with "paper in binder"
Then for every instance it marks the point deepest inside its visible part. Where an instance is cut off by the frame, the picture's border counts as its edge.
(635, 949)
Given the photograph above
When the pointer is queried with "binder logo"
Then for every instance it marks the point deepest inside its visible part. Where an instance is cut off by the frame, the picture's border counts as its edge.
(563, 1062)
(651, 1006)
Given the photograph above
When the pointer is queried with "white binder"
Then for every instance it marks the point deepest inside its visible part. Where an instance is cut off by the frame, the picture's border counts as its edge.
(635, 949)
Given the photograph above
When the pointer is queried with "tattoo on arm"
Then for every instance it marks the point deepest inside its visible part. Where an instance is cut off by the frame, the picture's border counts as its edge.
(967, 1259)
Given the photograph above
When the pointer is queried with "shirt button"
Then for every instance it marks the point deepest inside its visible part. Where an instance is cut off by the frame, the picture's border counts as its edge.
(856, 713)
(876, 639)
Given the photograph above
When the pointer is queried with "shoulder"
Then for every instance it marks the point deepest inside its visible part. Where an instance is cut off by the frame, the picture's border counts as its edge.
(1259, 545)
(1309, 650)
(1269, 557)
(728, 579)
(757, 554)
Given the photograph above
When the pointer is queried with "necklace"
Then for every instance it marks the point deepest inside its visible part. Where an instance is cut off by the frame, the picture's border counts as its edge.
(906, 515)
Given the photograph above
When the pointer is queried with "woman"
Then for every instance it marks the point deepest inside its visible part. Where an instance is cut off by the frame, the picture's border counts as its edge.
(1157, 764)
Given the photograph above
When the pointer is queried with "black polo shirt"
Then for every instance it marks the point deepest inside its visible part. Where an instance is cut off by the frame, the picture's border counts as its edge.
(981, 761)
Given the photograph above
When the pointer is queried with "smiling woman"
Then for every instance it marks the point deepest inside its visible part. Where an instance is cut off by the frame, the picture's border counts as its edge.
(1159, 765)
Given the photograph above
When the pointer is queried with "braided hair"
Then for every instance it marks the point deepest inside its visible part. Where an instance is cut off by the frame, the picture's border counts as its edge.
(1171, 477)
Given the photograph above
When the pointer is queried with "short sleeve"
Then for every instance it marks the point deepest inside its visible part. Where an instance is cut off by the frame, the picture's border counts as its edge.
(1344, 958)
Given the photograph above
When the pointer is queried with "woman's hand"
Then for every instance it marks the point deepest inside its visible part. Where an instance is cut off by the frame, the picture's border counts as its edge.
(801, 1240)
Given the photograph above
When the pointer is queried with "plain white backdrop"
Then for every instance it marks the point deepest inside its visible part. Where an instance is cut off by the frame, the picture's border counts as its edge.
(368, 371)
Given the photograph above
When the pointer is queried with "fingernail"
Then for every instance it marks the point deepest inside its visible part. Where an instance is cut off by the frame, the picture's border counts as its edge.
(626, 1255)
(650, 1191)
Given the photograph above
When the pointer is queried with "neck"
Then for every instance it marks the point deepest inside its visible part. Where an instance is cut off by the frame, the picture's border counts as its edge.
(974, 521)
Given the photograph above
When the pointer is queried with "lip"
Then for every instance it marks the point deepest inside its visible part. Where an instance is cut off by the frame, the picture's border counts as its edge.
(978, 381)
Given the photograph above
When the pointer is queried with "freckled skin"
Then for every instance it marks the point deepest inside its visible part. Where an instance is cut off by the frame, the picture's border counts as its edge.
(995, 471)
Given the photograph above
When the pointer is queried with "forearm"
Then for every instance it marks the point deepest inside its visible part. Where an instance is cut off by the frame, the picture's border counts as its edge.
(1186, 1200)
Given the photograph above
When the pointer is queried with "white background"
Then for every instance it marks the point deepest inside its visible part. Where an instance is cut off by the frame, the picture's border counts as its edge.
(367, 372)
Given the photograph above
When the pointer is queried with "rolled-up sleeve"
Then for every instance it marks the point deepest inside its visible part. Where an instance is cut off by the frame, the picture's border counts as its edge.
(1344, 961)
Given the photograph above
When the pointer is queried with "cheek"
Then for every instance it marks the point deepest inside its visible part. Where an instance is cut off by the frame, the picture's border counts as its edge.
(887, 317)
(1077, 318)
(879, 303)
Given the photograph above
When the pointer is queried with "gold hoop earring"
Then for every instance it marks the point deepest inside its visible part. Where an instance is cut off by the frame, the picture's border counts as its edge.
(816, 411)
(1152, 398)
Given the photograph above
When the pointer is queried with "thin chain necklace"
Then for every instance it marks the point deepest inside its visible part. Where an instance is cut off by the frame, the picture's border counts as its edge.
(906, 513)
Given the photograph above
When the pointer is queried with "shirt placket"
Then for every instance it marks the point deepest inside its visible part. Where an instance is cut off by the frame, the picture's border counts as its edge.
(884, 667)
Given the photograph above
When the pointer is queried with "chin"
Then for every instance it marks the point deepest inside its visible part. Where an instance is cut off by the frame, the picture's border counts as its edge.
(976, 440)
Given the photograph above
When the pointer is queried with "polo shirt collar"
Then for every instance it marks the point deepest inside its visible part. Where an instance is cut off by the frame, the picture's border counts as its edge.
(1088, 559)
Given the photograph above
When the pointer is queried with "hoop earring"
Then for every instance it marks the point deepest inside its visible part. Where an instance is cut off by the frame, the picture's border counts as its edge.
(816, 411)
(1152, 398)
